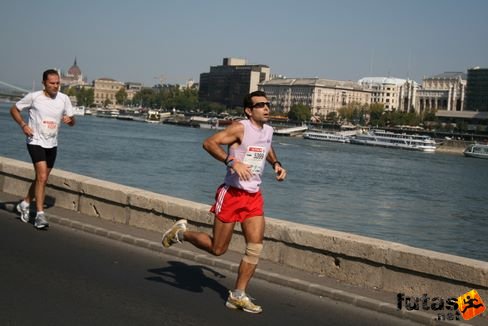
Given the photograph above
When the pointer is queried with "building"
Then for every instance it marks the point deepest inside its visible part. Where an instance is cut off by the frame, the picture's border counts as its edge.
(444, 92)
(73, 77)
(132, 88)
(105, 89)
(229, 83)
(394, 93)
(477, 89)
(323, 96)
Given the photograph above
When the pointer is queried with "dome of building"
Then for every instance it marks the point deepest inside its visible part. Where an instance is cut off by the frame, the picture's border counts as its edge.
(74, 70)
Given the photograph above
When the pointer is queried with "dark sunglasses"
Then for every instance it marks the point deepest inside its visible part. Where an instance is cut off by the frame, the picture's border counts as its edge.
(260, 105)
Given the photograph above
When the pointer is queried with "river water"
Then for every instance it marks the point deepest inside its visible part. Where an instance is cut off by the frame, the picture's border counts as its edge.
(432, 201)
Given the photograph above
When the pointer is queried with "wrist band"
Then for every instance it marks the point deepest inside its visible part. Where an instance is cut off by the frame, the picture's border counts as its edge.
(276, 162)
(228, 159)
(230, 163)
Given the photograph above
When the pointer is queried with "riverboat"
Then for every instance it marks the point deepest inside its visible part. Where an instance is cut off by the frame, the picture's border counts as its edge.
(78, 110)
(327, 136)
(477, 150)
(377, 137)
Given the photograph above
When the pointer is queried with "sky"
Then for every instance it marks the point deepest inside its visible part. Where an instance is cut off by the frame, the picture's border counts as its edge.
(150, 41)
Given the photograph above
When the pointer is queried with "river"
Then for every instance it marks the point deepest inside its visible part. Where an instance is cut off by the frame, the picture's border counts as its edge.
(435, 201)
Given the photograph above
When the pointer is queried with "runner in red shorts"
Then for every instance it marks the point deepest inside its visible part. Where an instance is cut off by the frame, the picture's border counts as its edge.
(239, 199)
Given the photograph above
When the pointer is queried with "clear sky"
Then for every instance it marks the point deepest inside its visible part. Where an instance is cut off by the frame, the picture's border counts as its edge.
(334, 39)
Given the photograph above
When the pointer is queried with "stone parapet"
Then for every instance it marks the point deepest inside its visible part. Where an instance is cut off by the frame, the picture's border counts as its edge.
(349, 258)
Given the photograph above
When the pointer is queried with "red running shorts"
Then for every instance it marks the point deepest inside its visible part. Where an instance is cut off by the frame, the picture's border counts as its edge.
(236, 205)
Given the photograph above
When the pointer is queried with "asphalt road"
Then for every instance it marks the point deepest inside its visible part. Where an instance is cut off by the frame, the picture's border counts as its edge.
(68, 277)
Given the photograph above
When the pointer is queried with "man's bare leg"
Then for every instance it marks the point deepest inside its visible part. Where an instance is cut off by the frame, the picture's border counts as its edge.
(42, 174)
(253, 229)
(216, 244)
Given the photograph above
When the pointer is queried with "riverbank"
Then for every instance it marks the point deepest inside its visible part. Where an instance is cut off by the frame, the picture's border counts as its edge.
(452, 146)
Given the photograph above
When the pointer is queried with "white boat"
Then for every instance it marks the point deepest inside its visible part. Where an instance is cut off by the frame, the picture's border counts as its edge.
(79, 110)
(106, 113)
(384, 138)
(153, 116)
(327, 136)
(291, 131)
(476, 150)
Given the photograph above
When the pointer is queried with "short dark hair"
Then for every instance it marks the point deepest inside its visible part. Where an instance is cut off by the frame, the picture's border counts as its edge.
(248, 98)
(48, 72)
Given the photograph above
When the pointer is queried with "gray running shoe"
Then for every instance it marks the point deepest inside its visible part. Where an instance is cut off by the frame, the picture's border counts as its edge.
(244, 303)
(40, 222)
(24, 213)
(170, 237)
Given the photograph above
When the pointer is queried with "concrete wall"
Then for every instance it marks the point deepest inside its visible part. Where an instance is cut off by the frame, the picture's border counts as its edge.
(349, 258)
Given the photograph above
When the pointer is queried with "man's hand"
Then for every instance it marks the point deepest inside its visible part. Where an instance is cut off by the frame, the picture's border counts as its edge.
(70, 121)
(243, 170)
(280, 172)
(27, 130)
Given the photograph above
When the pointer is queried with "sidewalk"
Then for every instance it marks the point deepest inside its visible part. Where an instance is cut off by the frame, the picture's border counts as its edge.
(377, 300)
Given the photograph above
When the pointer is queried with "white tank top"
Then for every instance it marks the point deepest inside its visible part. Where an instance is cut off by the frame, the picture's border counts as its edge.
(253, 151)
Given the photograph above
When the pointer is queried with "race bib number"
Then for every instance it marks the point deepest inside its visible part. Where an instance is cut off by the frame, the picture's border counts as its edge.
(255, 156)
(49, 128)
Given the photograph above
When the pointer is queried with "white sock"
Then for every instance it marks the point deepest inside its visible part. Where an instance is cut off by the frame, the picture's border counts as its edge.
(24, 204)
(39, 213)
(238, 293)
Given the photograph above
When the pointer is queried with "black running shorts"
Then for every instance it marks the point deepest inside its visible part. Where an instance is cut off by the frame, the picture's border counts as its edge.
(39, 154)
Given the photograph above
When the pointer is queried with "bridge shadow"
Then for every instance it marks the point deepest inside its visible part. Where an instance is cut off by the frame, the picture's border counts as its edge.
(188, 277)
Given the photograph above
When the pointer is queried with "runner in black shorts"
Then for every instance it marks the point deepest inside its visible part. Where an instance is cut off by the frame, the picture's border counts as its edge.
(47, 109)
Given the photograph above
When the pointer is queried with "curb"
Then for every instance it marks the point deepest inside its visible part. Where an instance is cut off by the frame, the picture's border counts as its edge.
(275, 278)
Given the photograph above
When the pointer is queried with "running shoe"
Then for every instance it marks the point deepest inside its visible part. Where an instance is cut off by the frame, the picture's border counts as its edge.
(40, 222)
(244, 303)
(170, 237)
(24, 213)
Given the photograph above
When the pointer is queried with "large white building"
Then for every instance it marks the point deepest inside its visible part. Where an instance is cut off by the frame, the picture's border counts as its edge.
(394, 93)
(445, 91)
(323, 96)
(105, 89)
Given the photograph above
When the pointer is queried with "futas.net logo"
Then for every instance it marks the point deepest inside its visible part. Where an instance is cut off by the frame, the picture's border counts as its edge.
(468, 305)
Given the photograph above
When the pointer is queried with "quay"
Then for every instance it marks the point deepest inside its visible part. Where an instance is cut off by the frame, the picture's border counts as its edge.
(363, 271)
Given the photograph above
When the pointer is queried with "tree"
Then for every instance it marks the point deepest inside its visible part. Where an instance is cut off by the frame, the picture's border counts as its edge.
(121, 96)
(376, 111)
(300, 113)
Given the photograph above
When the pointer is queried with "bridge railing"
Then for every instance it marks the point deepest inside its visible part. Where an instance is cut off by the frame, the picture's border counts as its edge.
(348, 258)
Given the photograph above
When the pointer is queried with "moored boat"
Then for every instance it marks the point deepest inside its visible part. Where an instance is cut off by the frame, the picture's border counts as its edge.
(327, 136)
(377, 137)
(477, 150)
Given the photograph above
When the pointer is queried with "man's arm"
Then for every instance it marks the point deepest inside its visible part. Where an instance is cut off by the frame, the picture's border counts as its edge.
(229, 136)
(15, 113)
(273, 160)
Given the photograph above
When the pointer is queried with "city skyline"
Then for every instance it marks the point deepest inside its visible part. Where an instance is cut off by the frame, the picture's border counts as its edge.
(150, 41)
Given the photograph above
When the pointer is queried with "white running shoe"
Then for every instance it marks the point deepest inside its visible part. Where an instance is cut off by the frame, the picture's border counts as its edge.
(244, 303)
(40, 222)
(170, 237)
(24, 213)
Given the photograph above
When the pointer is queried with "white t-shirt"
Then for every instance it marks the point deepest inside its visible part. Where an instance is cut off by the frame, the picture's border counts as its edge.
(45, 115)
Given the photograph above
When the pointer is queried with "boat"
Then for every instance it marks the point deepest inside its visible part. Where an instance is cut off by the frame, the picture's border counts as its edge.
(327, 136)
(476, 150)
(378, 137)
(153, 116)
(290, 131)
(79, 110)
(106, 113)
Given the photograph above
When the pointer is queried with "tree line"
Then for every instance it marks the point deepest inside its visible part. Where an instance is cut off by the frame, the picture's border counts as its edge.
(167, 97)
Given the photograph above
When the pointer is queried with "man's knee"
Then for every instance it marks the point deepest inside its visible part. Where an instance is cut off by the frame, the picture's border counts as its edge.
(219, 251)
(253, 252)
